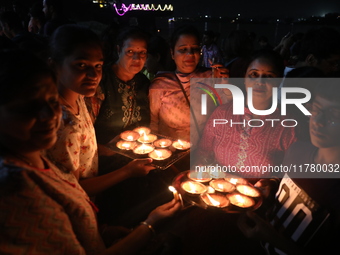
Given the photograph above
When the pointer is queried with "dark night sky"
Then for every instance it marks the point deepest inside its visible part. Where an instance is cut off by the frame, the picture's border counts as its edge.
(279, 9)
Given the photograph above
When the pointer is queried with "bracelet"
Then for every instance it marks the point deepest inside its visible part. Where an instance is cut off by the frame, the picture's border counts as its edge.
(149, 227)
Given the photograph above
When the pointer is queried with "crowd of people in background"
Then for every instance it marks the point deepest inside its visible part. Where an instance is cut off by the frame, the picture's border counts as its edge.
(67, 91)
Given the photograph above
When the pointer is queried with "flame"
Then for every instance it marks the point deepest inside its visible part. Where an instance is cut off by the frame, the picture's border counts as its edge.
(213, 201)
(126, 145)
(192, 187)
(143, 148)
(220, 186)
(247, 190)
(145, 137)
(180, 143)
(233, 180)
(172, 188)
(210, 190)
(130, 137)
(159, 154)
(240, 199)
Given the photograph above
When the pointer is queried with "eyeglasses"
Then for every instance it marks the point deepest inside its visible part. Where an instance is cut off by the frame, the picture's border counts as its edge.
(141, 54)
(331, 115)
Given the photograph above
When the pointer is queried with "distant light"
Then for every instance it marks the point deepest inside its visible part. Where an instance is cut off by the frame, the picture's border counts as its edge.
(158, 30)
(277, 20)
(206, 16)
(142, 7)
(239, 15)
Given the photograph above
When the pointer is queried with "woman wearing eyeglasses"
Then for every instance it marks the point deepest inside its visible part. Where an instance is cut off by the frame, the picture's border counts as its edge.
(124, 90)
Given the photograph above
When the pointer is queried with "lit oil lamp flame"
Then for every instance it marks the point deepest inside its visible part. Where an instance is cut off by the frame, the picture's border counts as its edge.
(248, 191)
(192, 187)
(181, 144)
(233, 180)
(172, 189)
(142, 130)
(159, 154)
(213, 201)
(143, 148)
(175, 192)
(145, 136)
(126, 145)
(130, 138)
(220, 186)
(240, 199)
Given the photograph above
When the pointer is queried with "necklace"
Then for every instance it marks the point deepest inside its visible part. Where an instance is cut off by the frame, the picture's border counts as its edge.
(75, 111)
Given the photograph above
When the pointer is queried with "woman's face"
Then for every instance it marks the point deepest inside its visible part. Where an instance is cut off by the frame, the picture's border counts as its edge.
(262, 77)
(132, 56)
(324, 123)
(186, 53)
(32, 119)
(81, 72)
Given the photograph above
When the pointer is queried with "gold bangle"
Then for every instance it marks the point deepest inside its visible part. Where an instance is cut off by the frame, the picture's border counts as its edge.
(149, 227)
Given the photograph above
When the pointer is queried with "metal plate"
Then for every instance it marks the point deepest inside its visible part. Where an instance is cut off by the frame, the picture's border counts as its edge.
(196, 199)
(160, 164)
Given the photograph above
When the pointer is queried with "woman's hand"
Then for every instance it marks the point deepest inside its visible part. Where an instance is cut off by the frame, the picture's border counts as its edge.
(253, 226)
(219, 71)
(163, 211)
(139, 167)
(268, 187)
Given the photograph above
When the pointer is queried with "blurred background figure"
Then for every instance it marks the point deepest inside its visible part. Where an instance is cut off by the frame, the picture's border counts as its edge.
(54, 14)
(37, 19)
(14, 30)
(264, 43)
(109, 37)
(12, 26)
(237, 50)
(159, 57)
(21, 8)
(211, 53)
(320, 48)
